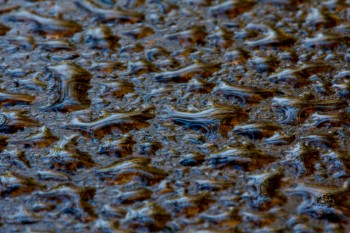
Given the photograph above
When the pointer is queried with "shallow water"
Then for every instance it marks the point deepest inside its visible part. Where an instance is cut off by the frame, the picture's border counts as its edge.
(174, 116)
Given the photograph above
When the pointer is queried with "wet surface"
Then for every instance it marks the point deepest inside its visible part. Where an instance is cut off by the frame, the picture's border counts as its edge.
(174, 116)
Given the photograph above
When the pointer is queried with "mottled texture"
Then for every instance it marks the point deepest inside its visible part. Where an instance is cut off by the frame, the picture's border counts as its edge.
(174, 116)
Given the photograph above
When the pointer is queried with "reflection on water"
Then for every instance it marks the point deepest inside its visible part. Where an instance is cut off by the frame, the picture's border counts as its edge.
(174, 116)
